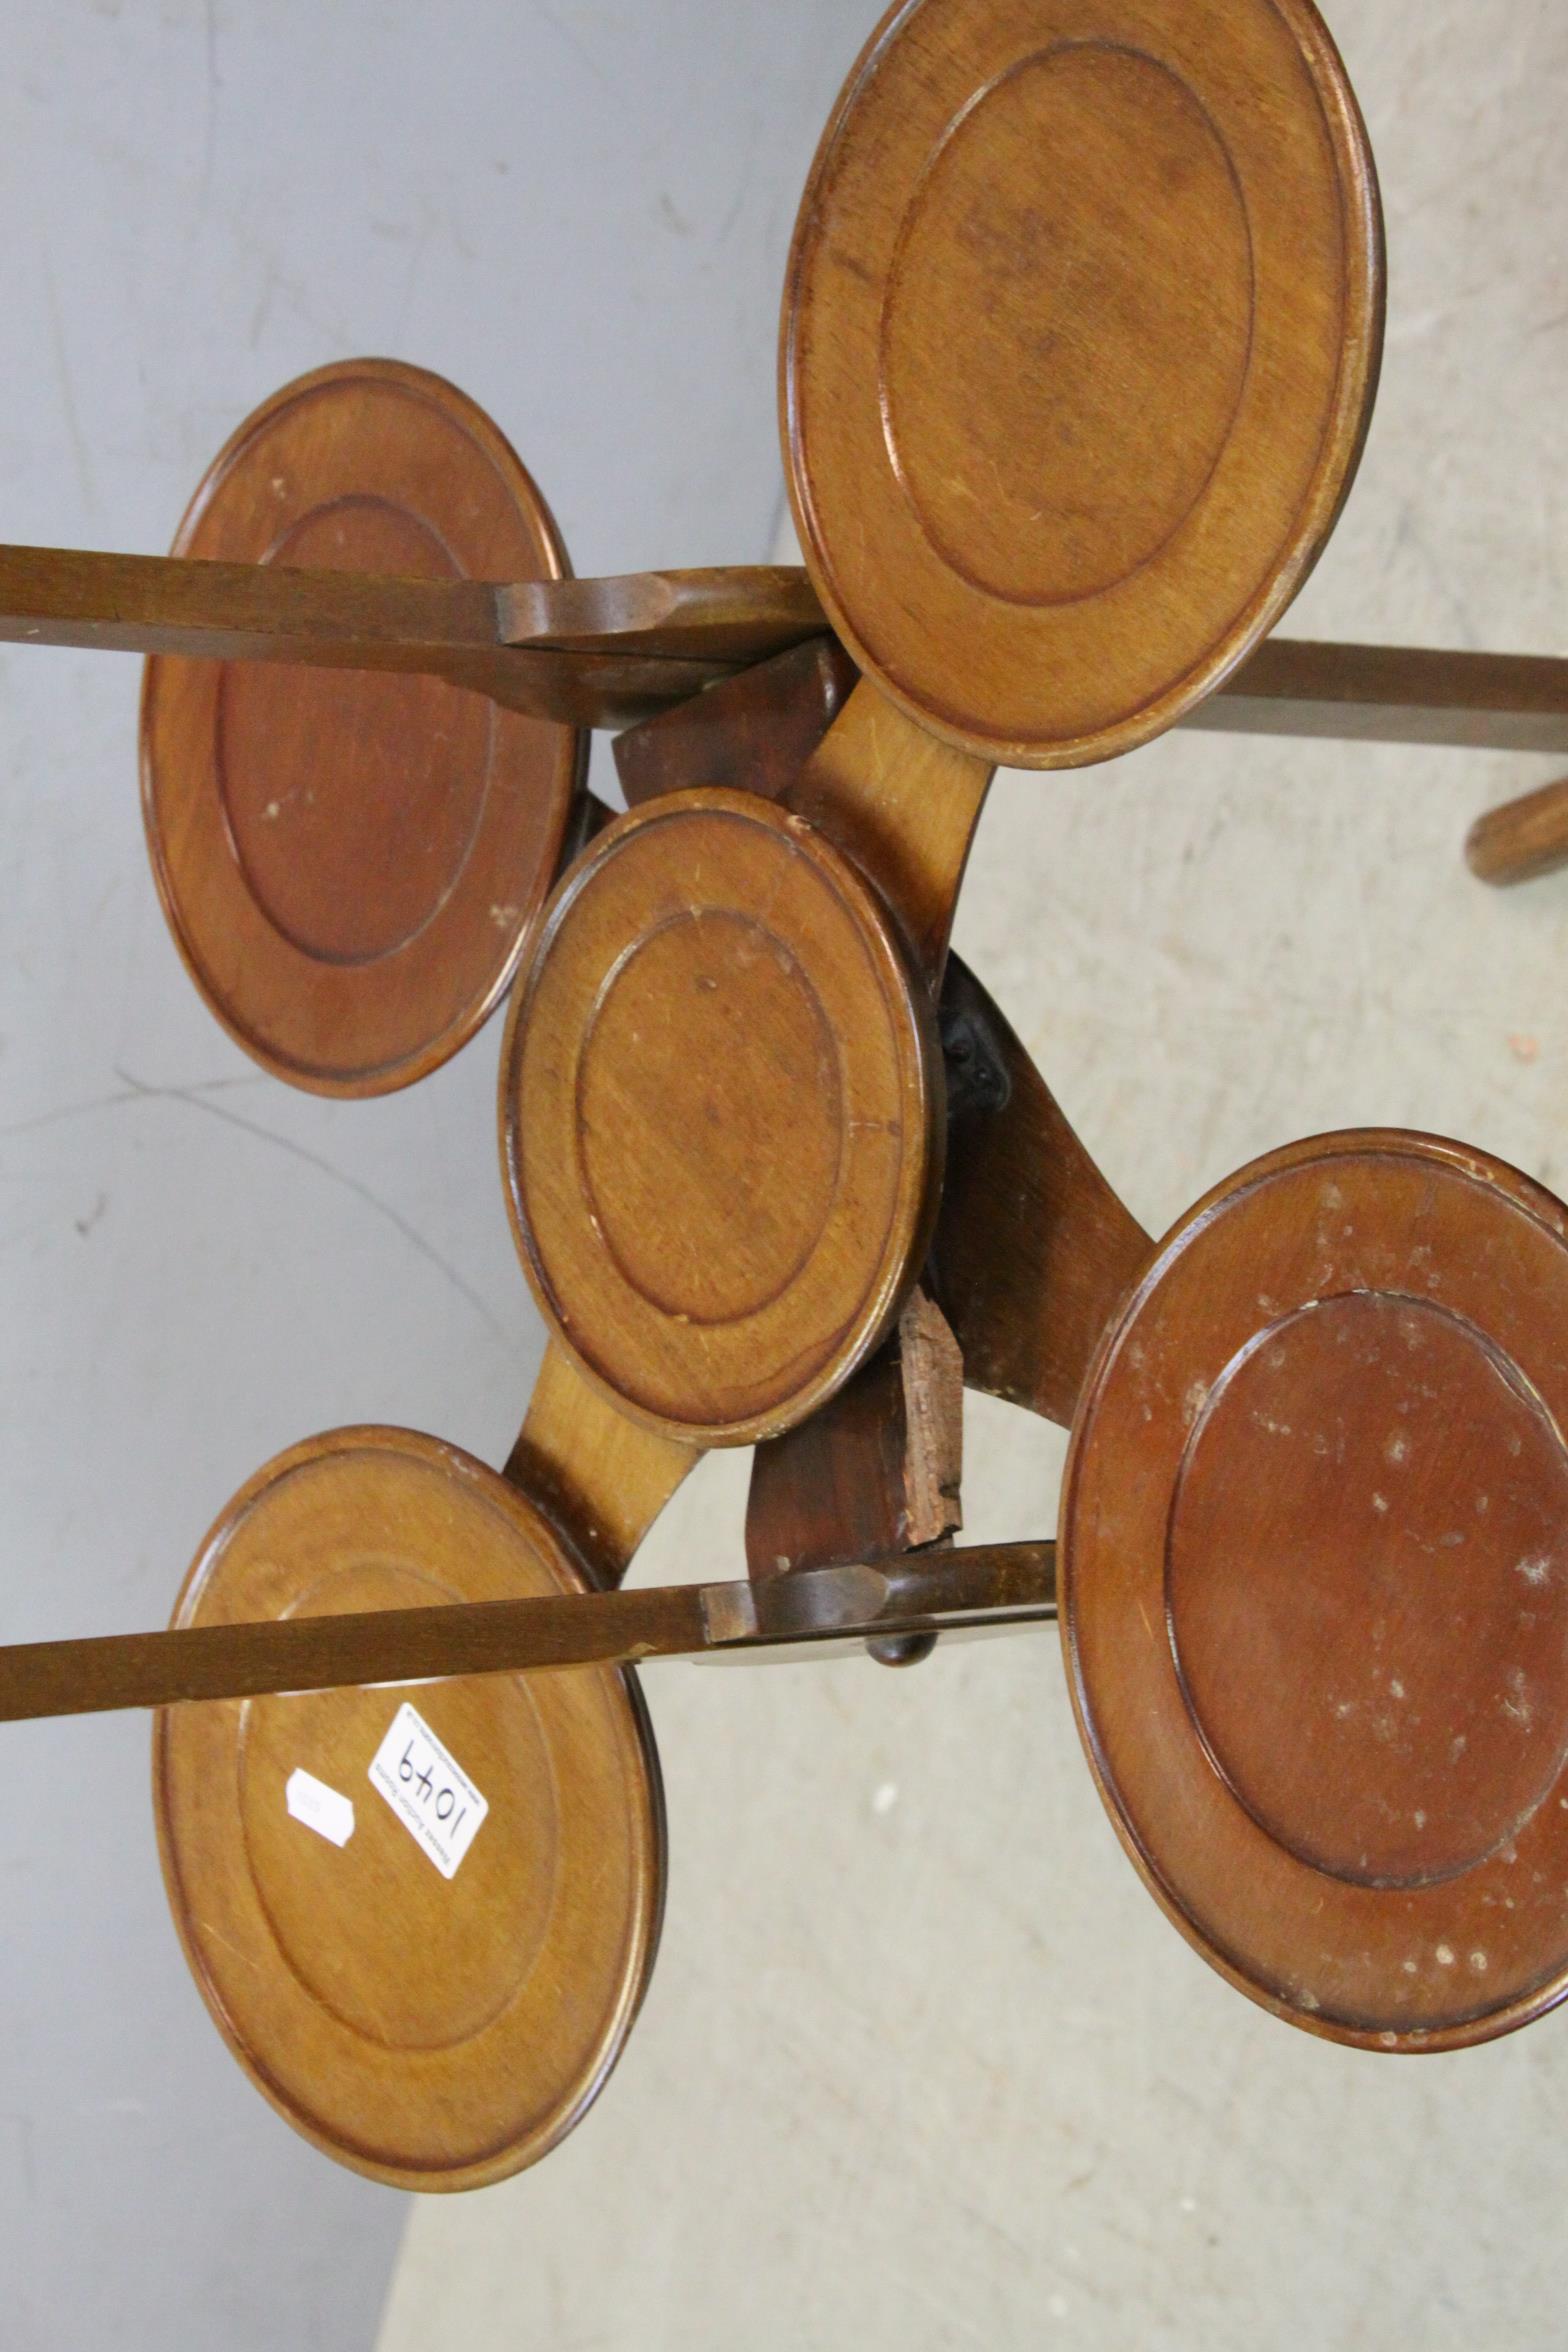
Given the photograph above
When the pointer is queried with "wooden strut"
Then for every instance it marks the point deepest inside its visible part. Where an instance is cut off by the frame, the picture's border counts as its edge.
(611, 652)
(987, 1586)
(589, 653)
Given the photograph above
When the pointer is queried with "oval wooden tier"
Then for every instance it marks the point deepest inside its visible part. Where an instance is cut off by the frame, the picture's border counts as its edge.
(435, 2032)
(720, 1106)
(1314, 1579)
(1080, 340)
(349, 860)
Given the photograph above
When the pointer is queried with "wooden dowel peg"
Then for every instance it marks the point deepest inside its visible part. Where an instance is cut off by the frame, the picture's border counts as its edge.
(1521, 839)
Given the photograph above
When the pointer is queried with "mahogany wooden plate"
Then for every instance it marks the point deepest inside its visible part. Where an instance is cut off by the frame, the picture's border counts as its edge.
(1314, 1587)
(1080, 339)
(349, 860)
(436, 2032)
(721, 1106)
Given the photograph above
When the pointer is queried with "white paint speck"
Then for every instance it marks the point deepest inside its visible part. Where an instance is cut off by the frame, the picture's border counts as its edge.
(1380, 1502)
(886, 1797)
(1535, 1569)
(1445, 1956)
(1478, 1963)
(1398, 1447)
(1396, 1689)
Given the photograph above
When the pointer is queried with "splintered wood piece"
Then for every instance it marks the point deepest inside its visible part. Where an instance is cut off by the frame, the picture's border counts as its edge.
(349, 861)
(985, 1587)
(754, 731)
(399, 1997)
(933, 1386)
(720, 1106)
(1522, 839)
(904, 805)
(1079, 347)
(1394, 694)
(1314, 1559)
(598, 1473)
(1034, 1253)
(877, 1470)
(599, 653)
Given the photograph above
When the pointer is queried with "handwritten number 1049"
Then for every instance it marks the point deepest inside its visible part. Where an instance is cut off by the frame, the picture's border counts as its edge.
(441, 1800)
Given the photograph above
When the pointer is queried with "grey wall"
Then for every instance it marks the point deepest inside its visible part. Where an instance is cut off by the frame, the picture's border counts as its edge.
(579, 212)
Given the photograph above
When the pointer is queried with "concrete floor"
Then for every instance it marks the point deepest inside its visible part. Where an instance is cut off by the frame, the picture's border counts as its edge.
(922, 2065)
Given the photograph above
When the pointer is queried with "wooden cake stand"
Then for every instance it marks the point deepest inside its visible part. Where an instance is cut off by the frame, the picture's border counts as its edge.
(1079, 345)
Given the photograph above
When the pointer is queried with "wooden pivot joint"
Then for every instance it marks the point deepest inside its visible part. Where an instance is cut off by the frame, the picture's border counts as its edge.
(436, 2029)
(1079, 347)
(348, 860)
(720, 1116)
(1314, 1578)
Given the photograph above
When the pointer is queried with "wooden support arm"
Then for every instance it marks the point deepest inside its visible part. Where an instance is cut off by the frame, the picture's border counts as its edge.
(1394, 694)
(599, 653)
(601, 1476)
(990, 1585)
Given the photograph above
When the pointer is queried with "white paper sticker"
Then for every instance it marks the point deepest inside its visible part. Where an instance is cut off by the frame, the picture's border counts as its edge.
(428, 1790)
(319, 1807)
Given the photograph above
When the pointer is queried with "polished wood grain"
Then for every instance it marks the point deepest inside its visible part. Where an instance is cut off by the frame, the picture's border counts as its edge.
(720, 1115)
(599, 653)
(753, 732)
(595, 1470)
(1522, 839)
(1314, 1559)
(801, 730)
(435, 2033)
(987, 1587)
(1080, 339)
(349, 862)
(1034, 1253)
(1394, 694)
(904, 805)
